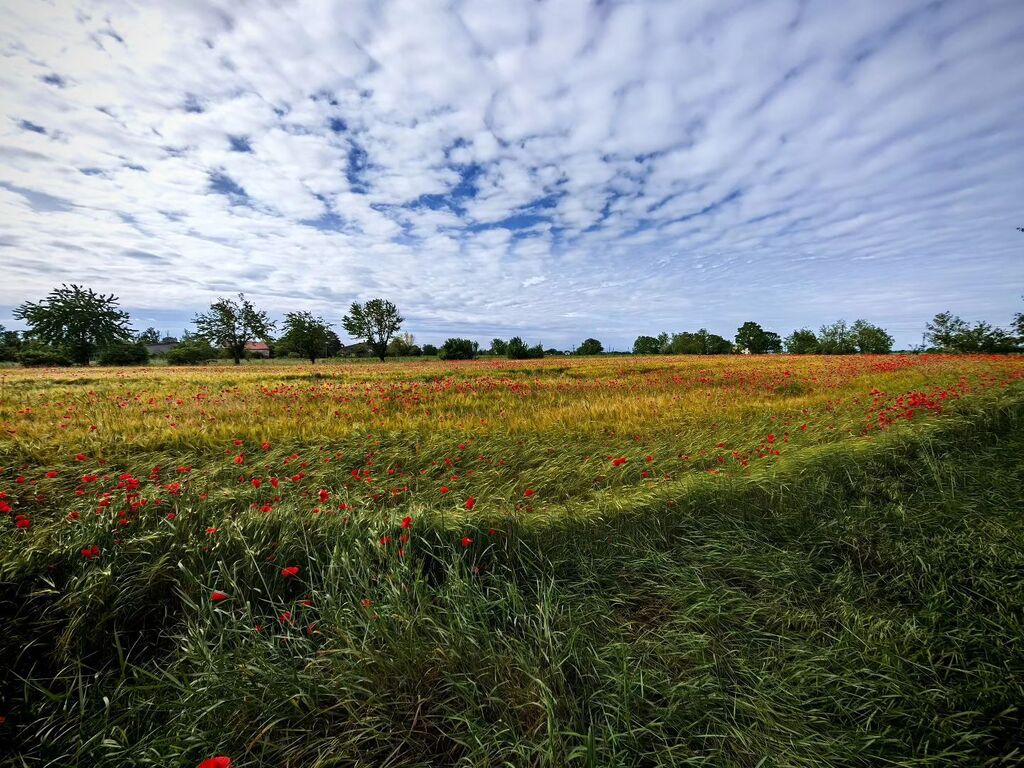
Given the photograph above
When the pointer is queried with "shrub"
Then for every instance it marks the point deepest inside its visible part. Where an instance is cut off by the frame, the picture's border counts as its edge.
(458, 349)
(124, 353)
(191, 353)
(38, 356)
(517, 350)
(429, 350)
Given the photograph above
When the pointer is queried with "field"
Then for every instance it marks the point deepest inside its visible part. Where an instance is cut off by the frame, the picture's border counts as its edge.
(735, 561)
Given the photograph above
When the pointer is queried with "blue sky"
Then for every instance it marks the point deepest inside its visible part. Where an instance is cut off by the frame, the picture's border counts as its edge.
(554, 170)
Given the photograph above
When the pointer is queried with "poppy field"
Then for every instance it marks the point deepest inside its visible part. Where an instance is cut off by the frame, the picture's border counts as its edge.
(730, 561)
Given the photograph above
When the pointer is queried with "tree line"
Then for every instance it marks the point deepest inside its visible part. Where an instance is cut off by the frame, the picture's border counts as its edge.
(76, 325)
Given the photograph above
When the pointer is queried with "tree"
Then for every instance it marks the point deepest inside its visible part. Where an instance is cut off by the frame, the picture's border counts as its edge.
(517, 350)
(950, 333)
(307, 335)
(837, 339)
(149, 336)
(402, 345)
(590, 347)
(376, 321)
(646, 345)
(702, 342)
(232, 324)
(429, 350)
(1018, 327)
(10, 345)
(870, 339)
(76, 319)
(499, 347)
(458, 349)
(946, 332)
(756, 339)
(802, 342)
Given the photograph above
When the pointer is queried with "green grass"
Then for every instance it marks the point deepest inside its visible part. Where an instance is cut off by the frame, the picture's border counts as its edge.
(848, 606)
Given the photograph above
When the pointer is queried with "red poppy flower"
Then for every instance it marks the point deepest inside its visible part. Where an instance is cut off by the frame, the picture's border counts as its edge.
(22, 522)
(529, 492)
(5, 507)
(466, 541)
(217, 596)
(619, 462)
(256, 482)
(216, 762)
(444, 489)
(324, 495)
(238, 442)
(90, 552)
(274, 482)
(470, 503)
(290, 571)
(265, 446)
(285, 617)
(407, 522)
(52, 473)
(240, 459)
(211, 530)
(79, 457)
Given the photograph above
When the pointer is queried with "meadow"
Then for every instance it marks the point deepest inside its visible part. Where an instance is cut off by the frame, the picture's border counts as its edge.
(610, 561)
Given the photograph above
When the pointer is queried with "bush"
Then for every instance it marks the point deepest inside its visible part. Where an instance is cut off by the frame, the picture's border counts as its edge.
(429, 350)
(124, 353)
(458, 349)
(43, 357)
(192, 353)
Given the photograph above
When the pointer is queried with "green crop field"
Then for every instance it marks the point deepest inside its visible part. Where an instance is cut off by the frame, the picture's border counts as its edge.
(732, 561)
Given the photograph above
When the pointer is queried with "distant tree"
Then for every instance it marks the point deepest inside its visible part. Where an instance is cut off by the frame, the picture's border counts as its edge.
(837, 339)
(307, 335)
(664, 343)
(518, 350)
(376, 322)
(124, 353)
(946, 332)
(458, 349)
(646, 345)
(802, 342)
(552, 352)
(429, 350)
(702, 342)
(949, 333)
(1018, 327)
(590, 347)
(870, 339)
(231, 324)
(76, 319)
(10, 345)
(756, 339)
(402, 345)
(499, 347)
(149, 336)
(169, 340)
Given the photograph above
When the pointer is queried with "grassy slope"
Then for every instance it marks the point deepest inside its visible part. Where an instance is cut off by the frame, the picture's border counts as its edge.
(842, 610)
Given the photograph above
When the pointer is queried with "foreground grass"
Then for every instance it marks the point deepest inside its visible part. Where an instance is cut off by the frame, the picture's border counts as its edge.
(856, 604)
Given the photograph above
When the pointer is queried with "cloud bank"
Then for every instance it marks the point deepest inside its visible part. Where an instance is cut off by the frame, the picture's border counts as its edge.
(553, 169)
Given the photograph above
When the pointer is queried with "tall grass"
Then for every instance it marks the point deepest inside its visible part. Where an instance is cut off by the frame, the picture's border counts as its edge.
(854, 600)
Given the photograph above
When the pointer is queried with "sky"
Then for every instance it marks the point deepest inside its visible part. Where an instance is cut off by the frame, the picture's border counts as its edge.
(554, 170)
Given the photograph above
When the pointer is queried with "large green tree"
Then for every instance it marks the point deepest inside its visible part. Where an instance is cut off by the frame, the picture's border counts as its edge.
(307, 335)
(871, 339)
(949, 333)
(753, 337)
(233, 323)
(375, 322)
(646, 345)
(837, 339)
(76, 319)
(802, 342)
(590, 347)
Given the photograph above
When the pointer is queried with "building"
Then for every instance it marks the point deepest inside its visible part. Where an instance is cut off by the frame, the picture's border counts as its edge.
(257, 349)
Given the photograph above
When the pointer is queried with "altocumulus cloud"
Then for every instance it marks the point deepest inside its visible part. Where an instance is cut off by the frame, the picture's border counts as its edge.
(556, 169)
